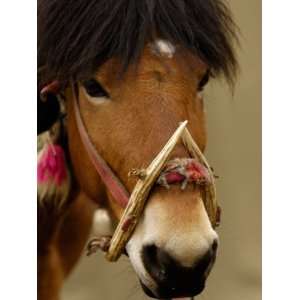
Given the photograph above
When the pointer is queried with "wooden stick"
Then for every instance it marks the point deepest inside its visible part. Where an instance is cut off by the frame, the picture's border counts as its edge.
(210, 195)
(139, 196)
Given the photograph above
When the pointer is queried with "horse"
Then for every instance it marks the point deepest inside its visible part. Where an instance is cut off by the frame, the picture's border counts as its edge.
(134, 69)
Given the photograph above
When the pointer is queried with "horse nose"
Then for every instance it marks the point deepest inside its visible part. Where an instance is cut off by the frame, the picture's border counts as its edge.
(172, 278)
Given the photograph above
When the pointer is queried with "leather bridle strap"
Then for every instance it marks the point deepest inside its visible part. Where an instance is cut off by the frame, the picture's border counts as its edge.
(111, 181)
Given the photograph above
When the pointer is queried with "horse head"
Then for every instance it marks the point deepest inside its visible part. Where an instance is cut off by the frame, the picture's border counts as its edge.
(130, 110)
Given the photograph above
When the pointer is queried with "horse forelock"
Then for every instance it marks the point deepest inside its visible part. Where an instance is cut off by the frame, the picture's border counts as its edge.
(75, 38)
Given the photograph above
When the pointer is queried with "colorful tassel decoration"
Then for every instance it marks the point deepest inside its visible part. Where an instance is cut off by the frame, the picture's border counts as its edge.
(53, 178)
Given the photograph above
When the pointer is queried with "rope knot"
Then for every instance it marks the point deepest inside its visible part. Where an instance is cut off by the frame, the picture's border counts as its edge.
(140, 173)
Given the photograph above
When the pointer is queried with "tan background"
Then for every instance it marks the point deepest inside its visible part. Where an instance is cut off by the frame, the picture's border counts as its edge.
(234, 126)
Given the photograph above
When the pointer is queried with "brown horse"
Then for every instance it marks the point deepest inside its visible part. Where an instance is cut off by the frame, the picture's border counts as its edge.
(140, 68)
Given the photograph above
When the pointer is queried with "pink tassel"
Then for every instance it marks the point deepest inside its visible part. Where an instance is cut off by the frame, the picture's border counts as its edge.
(52, 175)
(51, 166)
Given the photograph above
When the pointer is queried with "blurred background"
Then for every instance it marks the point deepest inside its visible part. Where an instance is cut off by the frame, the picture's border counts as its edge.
(234, 150)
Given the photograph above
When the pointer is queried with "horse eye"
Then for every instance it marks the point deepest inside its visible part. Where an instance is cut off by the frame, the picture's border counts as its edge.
(94, 89)
(203, 81)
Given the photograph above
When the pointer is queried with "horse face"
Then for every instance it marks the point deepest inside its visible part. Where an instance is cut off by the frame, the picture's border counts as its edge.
(129, 118)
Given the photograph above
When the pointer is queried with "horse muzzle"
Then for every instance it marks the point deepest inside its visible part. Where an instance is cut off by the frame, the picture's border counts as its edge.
(174, 280)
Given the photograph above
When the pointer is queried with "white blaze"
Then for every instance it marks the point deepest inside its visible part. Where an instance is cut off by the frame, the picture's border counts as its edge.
(164, 48)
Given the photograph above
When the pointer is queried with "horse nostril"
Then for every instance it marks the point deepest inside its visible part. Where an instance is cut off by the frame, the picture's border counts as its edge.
(214, 246)
(156, 262)
(205, 263)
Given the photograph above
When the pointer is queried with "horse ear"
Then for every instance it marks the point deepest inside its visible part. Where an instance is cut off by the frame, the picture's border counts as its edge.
(48, 105)
(48, 111)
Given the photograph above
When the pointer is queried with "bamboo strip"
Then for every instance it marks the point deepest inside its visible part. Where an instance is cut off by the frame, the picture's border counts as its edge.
(139, 196)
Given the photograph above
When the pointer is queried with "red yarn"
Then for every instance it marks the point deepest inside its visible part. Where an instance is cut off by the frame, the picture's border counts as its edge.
(184, 170)
(174, 177)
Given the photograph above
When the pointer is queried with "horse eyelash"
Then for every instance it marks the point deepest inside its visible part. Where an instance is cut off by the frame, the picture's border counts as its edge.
(94, 89)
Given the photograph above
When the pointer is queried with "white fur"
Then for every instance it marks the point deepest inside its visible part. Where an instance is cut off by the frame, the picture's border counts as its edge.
(51, 192)
(164, 48)
(102, 224)
(186, 244)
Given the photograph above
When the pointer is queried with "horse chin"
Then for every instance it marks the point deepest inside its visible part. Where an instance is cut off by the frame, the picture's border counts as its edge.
(161, 293)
